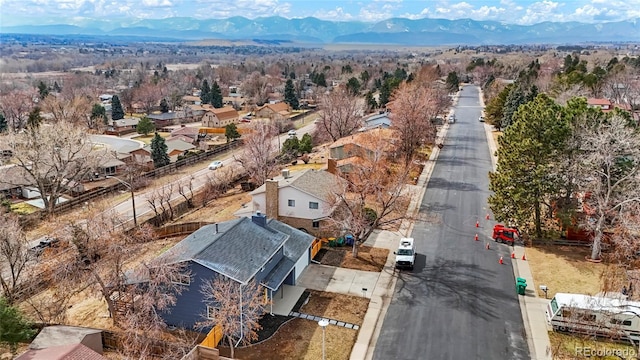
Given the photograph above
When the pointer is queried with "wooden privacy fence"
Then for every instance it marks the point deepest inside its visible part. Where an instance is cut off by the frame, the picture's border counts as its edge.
(213, 337)
(202, 353)
(179, 229)
(315, 247)
(173, 167)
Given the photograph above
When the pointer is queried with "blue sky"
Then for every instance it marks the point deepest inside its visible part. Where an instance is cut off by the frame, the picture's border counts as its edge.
(525, 12)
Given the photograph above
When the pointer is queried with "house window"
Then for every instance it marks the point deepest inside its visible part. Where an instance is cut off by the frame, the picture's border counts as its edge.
(211, 311)
(313, 205)
(292, 203)
(182, 279)
(315, 224)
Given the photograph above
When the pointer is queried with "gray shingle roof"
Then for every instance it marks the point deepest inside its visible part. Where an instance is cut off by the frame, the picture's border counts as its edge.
(296, 246)
(298, 242)
(317, 183)
(238, 250)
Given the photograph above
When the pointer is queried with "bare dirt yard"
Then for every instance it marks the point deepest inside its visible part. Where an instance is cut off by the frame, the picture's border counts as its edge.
(302, 339)
(369, 258)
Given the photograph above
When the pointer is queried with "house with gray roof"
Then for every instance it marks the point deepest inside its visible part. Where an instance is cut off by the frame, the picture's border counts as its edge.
(300, 199)
(245, 249)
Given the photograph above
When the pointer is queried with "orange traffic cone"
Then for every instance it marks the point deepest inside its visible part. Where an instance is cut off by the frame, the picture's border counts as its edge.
(477, 223)
(513, 255)
(487, 217)
(524, 257)
(476, 238)
(500, 261)
(487, 246)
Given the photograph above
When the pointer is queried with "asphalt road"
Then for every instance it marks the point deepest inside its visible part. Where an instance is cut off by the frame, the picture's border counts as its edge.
(458, 302)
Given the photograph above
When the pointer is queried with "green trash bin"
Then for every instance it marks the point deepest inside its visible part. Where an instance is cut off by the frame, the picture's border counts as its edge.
(521, 280)
(520, 288)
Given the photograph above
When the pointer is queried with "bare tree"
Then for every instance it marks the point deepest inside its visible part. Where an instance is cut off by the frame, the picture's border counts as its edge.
(256, 88)
(16, 105)
(185, 189)
(218, 183)
(236, 307)
(14, 255)
(610, 165)
(259, 150)
(52, 156)
(76, 110)
(341, 114)
(144, 329)
(374, 194)
(411, 112)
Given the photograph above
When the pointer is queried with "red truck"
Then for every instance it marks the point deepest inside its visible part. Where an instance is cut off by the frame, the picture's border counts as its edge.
(505, 234)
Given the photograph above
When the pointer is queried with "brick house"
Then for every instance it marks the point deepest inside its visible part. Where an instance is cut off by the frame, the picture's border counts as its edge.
(217, 118)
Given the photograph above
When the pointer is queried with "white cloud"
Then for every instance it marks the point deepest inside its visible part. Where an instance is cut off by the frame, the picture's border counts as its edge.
(157, 3)
(337, 14)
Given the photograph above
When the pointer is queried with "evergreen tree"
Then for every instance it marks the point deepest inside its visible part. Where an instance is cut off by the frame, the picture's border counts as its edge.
(159, 151)
(117, 112)
(353, 85)
(290, 95)
(205, 92)
(231, 132)
(452, 82)
(370, 100)
(319, 80)
(34, 120)
(364, 77)
(145, 126)
(14, 327)
(43, 90)
(98, 112)
(513, 101)
(56, 87)
(164, 106)
(216, 95)
(291, 146)
(522, 183)
(306, 144)
(389, 85)
(3, 123)
(494, 111)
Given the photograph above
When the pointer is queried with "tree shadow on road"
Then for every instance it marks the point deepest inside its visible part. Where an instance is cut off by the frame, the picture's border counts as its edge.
(455, 284)
(440, 183)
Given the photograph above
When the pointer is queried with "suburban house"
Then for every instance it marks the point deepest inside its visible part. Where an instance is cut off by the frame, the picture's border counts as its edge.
(268, 251)
(217, 118)
(361, 145)
(190, 114)
(381, 120)
(65, 342)
(191, 100)
(13, 180)
(299, 199)
(175, 148)
(603, 104)
(123, 126)
(272, 110)
(185, 133)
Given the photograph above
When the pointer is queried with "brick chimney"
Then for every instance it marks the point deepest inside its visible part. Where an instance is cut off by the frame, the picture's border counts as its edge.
(332, 166)
(271, 198)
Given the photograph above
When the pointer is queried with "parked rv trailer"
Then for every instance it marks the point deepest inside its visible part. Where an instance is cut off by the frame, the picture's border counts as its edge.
(595, 316)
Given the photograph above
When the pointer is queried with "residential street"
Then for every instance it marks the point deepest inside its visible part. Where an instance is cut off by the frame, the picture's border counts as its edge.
(458, 302)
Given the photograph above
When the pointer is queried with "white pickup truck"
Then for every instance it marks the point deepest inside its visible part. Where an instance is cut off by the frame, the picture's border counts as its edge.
(406, 254)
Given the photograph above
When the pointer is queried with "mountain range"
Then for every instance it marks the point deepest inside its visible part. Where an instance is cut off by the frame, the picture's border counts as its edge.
(398, 31)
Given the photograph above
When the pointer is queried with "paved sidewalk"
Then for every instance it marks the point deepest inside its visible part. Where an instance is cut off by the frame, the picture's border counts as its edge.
(532, 306)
